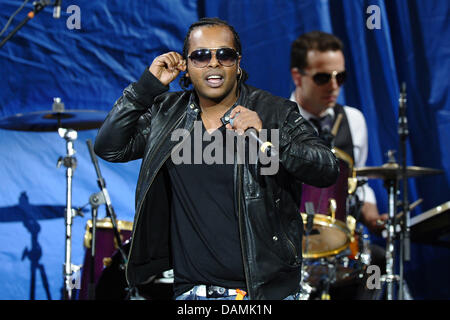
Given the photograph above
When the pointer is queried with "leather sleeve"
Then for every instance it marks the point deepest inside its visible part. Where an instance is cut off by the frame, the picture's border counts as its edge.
(123, 134)
(304, 155)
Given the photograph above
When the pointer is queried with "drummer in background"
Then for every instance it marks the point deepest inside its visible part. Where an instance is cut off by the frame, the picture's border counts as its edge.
(318, 72)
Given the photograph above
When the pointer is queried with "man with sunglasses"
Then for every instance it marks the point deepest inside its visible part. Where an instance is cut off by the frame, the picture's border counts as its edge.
(227, 231)
(318, 72)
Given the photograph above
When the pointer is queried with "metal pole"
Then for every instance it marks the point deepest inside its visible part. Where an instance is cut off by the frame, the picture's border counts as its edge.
(390, 242)
(70, 163)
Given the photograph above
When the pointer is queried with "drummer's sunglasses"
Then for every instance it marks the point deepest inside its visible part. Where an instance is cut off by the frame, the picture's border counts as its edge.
(227, 57)
(322, 78)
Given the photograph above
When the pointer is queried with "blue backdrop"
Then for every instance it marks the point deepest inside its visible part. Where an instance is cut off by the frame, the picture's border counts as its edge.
(89, 67)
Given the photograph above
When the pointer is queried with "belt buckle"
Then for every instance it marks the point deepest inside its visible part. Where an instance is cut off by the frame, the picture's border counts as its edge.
(216, 292)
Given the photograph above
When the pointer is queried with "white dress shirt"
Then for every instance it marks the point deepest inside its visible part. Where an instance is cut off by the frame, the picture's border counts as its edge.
(358, 130)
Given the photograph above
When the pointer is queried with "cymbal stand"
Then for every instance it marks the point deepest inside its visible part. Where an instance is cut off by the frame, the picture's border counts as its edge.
(389, 277)
(405, 254)
(70, 162)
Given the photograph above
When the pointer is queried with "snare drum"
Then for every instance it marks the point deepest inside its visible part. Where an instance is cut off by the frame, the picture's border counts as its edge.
(343, 273)
(332, 228)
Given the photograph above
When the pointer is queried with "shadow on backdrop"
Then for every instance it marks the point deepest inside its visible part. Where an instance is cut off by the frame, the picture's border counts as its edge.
(30, 215)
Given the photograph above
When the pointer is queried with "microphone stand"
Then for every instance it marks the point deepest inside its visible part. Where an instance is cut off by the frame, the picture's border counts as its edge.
(105, 195)
(38, 7)
(95, 200)
(405, 254)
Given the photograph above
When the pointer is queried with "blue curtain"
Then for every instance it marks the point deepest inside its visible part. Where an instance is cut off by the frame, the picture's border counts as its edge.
(89, 67)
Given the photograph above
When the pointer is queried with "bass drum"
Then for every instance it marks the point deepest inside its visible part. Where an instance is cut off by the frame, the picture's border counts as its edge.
(106, 245)
(112, 284)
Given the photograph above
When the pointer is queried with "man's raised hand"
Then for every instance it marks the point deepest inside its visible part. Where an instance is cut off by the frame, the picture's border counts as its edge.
(166, 67)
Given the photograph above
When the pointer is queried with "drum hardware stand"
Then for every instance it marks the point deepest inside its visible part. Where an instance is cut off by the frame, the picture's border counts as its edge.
(305, 288)
(327, 280)
(70, 162)
(393, 227)
(389, 278)
(309, 208)
(365, 254)
(331, 268)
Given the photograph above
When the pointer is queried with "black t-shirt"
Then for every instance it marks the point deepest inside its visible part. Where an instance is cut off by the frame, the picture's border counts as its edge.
(204, 230)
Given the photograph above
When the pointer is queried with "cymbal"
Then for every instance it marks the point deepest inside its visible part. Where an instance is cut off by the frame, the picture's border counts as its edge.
(394, 171)
(47, 121)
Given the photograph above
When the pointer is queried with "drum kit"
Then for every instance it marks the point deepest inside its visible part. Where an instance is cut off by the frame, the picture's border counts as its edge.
(335, 249)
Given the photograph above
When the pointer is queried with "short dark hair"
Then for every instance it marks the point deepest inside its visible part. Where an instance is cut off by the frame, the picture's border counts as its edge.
(210, 22)
(314, 40)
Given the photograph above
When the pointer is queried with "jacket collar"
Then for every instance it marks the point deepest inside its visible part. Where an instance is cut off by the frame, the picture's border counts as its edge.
(193, 108)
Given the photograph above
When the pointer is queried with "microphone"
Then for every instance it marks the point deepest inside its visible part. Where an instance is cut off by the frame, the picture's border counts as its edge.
(265, 146)
(57, 9)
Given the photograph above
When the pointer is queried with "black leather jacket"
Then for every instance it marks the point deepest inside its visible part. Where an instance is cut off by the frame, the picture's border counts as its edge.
(140, 126)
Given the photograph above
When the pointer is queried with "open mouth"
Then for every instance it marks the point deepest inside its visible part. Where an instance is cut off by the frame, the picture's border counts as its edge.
(214, 80)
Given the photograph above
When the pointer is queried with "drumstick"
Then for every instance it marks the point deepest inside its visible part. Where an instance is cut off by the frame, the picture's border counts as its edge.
(400, 214)
(412, 206)
(337, 124)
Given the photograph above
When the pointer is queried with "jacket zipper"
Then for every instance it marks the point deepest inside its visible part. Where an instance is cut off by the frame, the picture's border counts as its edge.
(289, 241)
(148, 188)
(291, 245)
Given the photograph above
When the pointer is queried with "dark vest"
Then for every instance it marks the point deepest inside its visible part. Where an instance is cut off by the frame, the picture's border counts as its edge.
(343, 138)
(319, 196)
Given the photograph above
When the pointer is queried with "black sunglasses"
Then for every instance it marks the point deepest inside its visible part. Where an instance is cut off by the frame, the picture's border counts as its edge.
(227, 57)
(322, 78)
